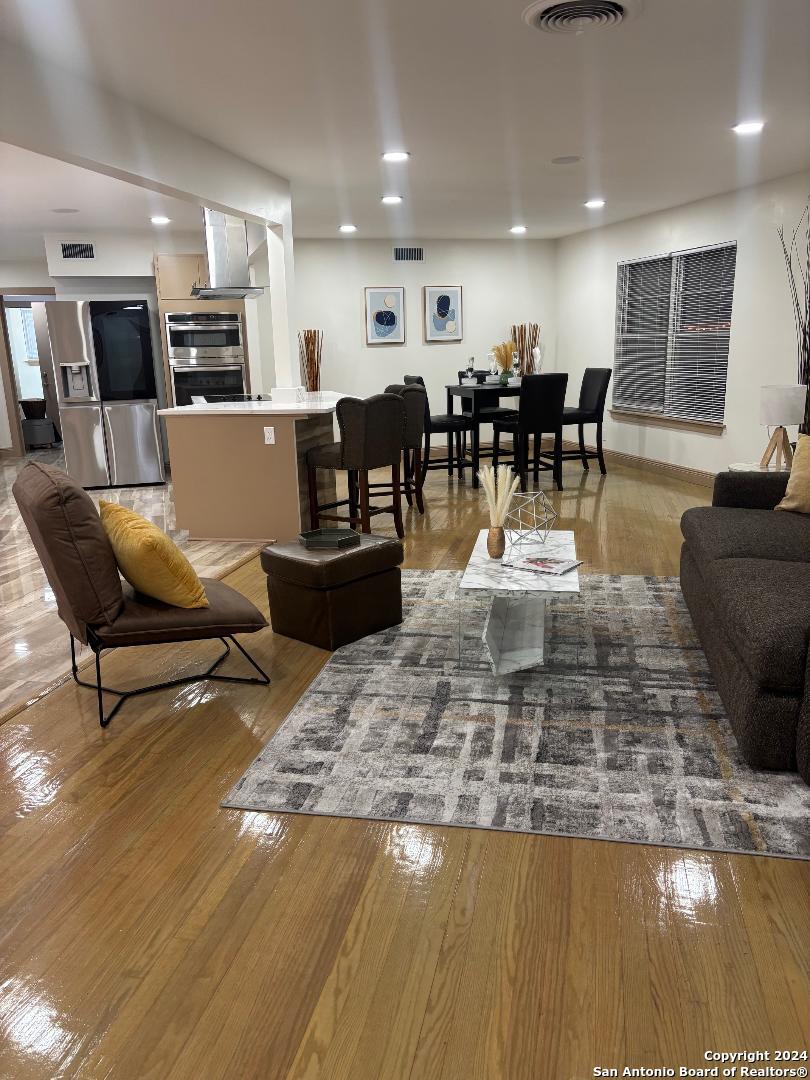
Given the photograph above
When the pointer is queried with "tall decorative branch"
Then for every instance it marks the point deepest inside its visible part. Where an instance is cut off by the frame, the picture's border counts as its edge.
(527, 337)
(797, 263)
(310, 345)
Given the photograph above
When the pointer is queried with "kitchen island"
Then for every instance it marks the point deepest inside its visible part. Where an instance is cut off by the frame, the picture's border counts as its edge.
(238, 469)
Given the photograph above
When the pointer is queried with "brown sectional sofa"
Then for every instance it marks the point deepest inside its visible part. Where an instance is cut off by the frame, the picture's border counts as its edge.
(745, 576)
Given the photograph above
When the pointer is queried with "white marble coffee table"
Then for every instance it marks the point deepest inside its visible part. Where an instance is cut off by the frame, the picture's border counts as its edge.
(514, 633)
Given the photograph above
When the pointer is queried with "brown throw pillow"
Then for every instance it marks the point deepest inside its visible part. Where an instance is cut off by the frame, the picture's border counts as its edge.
(797, 496)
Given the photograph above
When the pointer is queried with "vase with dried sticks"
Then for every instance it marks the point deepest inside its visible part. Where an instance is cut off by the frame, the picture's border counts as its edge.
(498, 489)
(797, 264)
(310, 345)
(527, 338)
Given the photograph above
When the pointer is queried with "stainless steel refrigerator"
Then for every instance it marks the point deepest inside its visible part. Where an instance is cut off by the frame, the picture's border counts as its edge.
(102, 362)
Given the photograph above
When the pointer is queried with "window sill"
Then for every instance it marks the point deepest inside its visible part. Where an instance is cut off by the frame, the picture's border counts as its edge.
(656, 420)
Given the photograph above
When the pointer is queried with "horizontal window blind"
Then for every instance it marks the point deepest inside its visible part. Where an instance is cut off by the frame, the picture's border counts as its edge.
(673, 320)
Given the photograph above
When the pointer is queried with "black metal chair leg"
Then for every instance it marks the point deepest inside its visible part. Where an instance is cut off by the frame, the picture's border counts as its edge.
(183, 680)
(496, 447)
(459, 457)
(599, 453)
(426, 459)
(583, 453)
(538, 441)
(449, 453)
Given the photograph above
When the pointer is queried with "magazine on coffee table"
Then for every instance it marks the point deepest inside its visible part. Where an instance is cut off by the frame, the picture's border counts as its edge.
(539, 565)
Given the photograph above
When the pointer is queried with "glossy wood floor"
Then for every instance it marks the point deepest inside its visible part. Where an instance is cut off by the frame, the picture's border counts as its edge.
(148, 933)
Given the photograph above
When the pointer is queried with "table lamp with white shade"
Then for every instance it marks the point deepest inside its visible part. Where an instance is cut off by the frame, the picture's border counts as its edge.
(780, 406)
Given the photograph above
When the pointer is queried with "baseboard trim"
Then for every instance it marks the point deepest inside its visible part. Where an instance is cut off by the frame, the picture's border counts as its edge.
(618, 457)
(664, 468)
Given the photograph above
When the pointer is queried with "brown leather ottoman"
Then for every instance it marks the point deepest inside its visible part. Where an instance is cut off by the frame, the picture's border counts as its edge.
(331, 598)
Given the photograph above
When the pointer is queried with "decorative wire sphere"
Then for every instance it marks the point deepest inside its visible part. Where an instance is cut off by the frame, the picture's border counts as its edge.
(530, 519)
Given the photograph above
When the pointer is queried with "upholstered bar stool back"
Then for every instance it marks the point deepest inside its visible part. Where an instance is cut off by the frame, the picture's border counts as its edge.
(371, 437)
(414, 398)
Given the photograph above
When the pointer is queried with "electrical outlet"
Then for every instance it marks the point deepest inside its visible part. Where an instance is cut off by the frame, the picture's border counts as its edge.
(269, 436)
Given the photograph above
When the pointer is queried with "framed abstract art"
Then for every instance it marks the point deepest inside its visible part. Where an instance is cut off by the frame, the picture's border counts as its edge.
(385, 316)
(443, 317)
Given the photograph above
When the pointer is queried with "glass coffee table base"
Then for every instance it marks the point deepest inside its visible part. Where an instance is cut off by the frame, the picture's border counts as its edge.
(514, 632)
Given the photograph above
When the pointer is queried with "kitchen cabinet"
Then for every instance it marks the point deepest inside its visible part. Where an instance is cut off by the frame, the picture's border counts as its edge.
(176, 275)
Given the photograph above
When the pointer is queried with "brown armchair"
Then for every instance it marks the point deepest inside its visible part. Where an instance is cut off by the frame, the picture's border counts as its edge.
(98, 609)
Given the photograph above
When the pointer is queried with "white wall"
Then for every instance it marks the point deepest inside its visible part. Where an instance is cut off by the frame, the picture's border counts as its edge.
(503, 282)
(763, 341)
(118, 254)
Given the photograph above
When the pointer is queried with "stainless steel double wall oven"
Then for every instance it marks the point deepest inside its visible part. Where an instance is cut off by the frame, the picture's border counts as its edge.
(206, 355)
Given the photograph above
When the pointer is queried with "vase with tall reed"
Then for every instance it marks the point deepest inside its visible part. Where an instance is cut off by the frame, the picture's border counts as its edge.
(499, 487)
(310, 346)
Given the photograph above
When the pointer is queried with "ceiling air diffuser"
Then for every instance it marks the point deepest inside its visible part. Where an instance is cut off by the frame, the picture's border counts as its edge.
(578, 16)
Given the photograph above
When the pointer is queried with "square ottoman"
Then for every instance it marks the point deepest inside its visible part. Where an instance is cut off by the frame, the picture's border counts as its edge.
(331, 598)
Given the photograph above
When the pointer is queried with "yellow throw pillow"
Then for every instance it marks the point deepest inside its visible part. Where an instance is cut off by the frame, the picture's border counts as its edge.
(797, 496)
(150, 560)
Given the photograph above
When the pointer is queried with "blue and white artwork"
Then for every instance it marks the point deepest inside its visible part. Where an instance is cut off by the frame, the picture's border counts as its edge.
(385, 316)
(443, 313)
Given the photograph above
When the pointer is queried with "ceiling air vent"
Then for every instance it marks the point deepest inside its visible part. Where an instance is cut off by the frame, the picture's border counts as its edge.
(409, 254)
(78, 251)
(577, 16)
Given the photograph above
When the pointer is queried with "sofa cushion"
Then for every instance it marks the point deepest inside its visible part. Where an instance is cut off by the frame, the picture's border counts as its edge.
(730, 532)
(764, 606)
(146, 621)
(72, 545)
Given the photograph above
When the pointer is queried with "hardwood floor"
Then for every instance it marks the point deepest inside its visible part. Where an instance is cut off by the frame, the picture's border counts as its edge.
(148, 933)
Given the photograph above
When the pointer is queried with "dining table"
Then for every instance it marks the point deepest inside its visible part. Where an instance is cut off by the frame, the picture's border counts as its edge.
(479, 396)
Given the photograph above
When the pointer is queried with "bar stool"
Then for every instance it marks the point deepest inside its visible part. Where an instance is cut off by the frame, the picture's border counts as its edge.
(591, 410)
(540, 411)
(371, 437)
(414, 399)
(452, 425)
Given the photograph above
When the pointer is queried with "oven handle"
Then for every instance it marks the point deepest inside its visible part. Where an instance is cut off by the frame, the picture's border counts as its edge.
(208, 368)
(194, 327)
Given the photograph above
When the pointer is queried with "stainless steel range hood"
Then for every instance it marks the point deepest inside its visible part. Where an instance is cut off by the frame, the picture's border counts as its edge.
(227, 250)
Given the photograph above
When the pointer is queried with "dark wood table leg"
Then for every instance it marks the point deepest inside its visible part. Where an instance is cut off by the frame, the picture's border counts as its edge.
(476, 438)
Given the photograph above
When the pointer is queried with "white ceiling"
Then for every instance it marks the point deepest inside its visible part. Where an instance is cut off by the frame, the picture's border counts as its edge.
(31, 186)
(316, 90)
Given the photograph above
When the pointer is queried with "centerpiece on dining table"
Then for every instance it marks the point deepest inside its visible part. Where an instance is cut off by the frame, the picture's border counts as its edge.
(507, 361)
(499, 487)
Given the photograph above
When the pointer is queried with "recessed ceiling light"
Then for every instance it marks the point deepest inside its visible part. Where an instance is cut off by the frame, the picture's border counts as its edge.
(595, 204)
(392, 200)
(566, 159)
(348, 228)
(159, 219)
(518, 230)
(64, 210)
(749, 127)
(396, 155)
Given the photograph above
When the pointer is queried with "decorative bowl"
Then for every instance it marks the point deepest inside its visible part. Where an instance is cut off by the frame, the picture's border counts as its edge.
(469, 382)
(492, 380)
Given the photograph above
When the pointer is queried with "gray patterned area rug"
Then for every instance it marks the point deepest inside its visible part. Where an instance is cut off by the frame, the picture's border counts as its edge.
(619, 736)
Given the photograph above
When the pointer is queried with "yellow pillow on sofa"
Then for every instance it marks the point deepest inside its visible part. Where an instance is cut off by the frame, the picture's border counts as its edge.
(150, 560)
(797, 496)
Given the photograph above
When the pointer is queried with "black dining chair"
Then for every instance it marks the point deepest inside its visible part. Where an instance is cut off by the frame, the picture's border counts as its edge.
(591, 410)
(454, 426)
(540, 412)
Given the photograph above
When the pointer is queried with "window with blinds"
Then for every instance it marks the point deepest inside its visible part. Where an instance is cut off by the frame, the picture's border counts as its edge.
(673, 320)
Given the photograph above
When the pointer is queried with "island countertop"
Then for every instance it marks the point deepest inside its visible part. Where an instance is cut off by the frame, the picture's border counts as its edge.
(312, 404)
